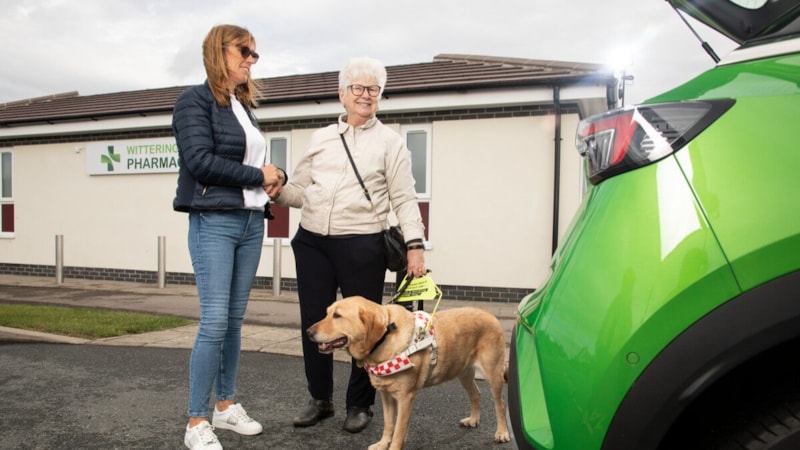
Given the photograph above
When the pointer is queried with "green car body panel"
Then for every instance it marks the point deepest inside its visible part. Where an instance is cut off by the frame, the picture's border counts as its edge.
(751, 195)
(652, 251)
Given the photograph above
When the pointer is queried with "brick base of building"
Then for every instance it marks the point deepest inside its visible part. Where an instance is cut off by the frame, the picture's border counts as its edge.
(450, 292)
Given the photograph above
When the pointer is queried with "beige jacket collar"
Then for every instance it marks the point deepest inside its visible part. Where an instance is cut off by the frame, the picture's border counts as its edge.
(344, 126)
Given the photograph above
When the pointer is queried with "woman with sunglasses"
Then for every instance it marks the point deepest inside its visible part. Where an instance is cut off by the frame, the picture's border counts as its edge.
(224, 185)
(339, 244)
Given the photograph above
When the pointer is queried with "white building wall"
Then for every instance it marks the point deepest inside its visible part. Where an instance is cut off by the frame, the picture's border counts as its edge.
(572, 183)
(110, 221)
(490, 207)
(491, 203)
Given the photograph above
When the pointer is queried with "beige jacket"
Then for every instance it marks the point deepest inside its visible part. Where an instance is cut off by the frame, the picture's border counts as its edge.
(325, 187)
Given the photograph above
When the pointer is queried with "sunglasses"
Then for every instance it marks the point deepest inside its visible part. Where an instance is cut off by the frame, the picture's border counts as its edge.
(246, 52)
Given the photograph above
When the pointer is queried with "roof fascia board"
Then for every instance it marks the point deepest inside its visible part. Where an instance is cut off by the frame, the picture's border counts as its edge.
(293, 111)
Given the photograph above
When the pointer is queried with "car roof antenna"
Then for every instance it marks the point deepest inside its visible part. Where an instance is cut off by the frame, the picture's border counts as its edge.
(705, 44)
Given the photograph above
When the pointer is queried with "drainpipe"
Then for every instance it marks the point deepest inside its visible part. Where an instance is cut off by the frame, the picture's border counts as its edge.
(556, 165)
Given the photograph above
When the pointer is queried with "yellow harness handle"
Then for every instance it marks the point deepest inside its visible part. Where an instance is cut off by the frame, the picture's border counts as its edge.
(419, 288)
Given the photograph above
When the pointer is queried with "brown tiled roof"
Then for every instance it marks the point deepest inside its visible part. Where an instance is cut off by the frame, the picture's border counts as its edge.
(447, 72)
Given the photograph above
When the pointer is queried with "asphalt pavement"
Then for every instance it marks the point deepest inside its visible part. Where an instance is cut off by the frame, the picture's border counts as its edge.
(130, 392)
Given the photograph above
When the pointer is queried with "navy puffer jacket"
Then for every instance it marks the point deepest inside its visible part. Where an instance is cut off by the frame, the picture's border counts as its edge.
(211, 147)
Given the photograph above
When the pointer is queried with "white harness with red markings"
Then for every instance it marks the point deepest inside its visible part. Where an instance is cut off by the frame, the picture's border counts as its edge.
(423, 337)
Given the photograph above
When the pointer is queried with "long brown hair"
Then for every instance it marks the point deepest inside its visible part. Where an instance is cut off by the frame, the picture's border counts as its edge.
(220, 37)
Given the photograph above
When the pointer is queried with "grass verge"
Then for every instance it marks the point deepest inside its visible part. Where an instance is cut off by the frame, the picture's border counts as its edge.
(86, 323)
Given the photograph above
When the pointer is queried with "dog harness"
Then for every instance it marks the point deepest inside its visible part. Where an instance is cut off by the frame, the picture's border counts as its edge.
(422, 337)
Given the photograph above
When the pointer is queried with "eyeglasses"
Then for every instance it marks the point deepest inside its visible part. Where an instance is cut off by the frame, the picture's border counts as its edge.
(358, 89)
(246, 52)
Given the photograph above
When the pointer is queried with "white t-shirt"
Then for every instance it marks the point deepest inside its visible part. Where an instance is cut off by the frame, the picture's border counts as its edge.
(254, 155)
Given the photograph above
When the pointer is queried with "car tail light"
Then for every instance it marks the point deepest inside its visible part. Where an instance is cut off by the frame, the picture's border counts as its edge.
(625, 139)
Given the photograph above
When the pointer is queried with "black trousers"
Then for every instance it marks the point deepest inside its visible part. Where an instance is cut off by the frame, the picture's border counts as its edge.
(355, 265)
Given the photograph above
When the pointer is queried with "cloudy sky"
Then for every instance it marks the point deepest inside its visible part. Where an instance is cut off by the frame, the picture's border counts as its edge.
(102, 46)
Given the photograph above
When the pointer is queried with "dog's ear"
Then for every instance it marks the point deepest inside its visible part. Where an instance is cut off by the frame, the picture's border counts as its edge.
(373, 328)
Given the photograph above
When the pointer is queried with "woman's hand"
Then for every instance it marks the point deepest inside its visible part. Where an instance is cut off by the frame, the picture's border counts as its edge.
(273, 180)
(416, 262)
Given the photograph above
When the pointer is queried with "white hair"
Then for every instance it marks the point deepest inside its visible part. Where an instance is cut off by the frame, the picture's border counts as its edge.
(362, 67)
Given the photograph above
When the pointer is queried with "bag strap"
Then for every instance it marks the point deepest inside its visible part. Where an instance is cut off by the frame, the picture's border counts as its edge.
(355, 169)
(361, 181)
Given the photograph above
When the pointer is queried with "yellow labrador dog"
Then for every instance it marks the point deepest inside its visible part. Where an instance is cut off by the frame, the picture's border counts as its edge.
(404, 353)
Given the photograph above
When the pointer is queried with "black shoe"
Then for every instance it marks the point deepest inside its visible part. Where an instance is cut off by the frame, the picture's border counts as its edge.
(357, 419)
(314, 412)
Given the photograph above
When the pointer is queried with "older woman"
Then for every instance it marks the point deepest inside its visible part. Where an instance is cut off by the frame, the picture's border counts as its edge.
(338, 245)
(224, 184)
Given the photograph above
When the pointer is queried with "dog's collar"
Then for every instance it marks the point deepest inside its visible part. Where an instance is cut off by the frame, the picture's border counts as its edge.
(422, 337)
(389, 328)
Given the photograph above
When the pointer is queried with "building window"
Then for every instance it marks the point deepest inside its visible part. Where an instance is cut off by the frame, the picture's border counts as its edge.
(279, 155)
(6, 195)
(418, 141)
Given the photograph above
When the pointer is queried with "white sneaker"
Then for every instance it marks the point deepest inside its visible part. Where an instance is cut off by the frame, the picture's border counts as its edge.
(235, 418)
(201, 437)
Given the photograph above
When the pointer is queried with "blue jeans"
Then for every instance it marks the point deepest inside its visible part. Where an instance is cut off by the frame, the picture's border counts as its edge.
(225, 247)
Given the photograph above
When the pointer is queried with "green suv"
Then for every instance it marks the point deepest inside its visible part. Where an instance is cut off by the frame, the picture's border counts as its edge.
(671, 316)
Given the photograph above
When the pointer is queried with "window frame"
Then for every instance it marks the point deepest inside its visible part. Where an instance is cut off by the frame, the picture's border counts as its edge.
(269, 137)
(405, 130)
(425, 196)
(7, 200)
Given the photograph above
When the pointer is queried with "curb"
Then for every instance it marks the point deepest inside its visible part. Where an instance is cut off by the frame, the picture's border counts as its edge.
(17, 335)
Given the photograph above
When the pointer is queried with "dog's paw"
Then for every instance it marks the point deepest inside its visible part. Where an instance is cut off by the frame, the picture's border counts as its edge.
(469, 422)
(502, 437)
(379, 446)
